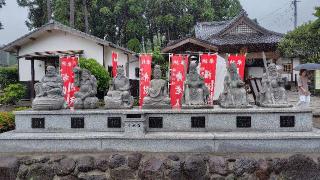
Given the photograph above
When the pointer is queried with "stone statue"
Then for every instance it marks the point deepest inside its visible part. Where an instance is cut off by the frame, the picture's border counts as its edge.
(196, 93)
(49, 91)
(234, 94)
(272, 93)
(85, 98)
(157, 96)
(119, 96)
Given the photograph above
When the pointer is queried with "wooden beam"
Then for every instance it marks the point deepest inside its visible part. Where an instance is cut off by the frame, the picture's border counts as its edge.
(32, 79)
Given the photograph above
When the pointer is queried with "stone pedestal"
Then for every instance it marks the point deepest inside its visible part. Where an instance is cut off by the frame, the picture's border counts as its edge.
(164, 130)
(134, 125)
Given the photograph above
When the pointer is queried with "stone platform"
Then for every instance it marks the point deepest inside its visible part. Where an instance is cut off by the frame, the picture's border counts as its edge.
(135, 121)
(186, 130)
(219, 142)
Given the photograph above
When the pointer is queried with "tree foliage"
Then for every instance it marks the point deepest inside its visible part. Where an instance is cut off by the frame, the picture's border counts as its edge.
(2, 3)
(304, 41)
(124, 21)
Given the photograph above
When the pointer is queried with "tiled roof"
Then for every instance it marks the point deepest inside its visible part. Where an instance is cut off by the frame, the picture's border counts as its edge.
(245, 39)
(217, 32)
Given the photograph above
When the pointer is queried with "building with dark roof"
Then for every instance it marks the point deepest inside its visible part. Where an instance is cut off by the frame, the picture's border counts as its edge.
(45, 45)
(238, 35)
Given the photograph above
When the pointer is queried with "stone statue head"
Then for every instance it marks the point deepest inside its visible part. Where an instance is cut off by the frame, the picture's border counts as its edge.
(157, 72)
(193, 67)
(86, 74)
(233, 68)
(51, 71)
(193, 72)
(120, 71)
(272, 68)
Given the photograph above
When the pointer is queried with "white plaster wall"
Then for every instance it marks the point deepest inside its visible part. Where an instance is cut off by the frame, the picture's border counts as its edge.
(132, 66)
(56, 41)
(255, 72)
(296, 61)
(122, 60)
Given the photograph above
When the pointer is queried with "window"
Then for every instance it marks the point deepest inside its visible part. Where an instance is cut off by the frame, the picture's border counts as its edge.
(137, 72)
(287, 68)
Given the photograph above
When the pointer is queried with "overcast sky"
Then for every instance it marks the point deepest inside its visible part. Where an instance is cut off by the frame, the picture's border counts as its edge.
(276, 15)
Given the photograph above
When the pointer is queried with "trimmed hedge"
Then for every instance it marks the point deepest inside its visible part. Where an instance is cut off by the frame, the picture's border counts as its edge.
(8, 75)
(13, 93)
(7, 119)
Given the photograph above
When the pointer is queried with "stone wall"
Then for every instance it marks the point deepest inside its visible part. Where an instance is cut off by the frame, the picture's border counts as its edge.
(157, 166)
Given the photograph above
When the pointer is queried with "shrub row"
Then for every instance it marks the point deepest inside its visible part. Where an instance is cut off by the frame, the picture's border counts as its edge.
(7, 119)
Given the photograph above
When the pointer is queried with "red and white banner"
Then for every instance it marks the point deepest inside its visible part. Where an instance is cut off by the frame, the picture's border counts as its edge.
(177, 78)
(145, 75)
(114, 58)
(208, 72)
(240, 61)
(66, 71)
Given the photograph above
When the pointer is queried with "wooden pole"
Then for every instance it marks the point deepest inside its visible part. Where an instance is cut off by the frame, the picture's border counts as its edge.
(32, 78)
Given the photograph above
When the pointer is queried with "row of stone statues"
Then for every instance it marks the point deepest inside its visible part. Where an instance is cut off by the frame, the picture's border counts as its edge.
(49, 91)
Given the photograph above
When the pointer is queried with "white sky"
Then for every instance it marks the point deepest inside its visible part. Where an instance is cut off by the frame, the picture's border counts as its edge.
(276, 15)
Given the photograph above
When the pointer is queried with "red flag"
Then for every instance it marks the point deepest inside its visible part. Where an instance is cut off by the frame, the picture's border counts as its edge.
(67, 65)
(208, 72)
(114, 57)
(145, 76)
(240, 61)
(177, 79)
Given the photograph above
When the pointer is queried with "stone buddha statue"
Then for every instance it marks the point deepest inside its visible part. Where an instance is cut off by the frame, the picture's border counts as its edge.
(85, 98)
(157, 95)
(119, 96)
(272, 93)
(49, 91)
(234, 94)
(196, 93)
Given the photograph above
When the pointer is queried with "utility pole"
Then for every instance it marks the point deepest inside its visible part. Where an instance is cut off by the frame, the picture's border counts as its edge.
(295, 13)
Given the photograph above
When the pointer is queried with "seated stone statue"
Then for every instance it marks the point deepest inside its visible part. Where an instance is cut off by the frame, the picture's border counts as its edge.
(85, 98)
(196, 93)
(234, 94)
(119, 96)
(272, 93)
(49, 91)
(157, 96)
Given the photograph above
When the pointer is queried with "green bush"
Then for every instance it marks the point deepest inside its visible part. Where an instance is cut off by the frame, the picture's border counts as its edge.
(134, 45)
(8, 75)
(98, 71)
(13, 93)
(6, 121)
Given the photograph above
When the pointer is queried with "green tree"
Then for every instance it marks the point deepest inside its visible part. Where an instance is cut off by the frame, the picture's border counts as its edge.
(303, 42)
(37, 15)
(121, 21)
(2, 3)
(134, 45)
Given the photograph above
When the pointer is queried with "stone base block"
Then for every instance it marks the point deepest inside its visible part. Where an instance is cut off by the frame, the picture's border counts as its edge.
(167, 120)
(220, 142)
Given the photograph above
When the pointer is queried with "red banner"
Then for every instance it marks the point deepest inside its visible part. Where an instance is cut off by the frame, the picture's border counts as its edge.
(208, 72)
(177, 78)
(240, 61)
(145, 75)
(114, 58)
(67, 65)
